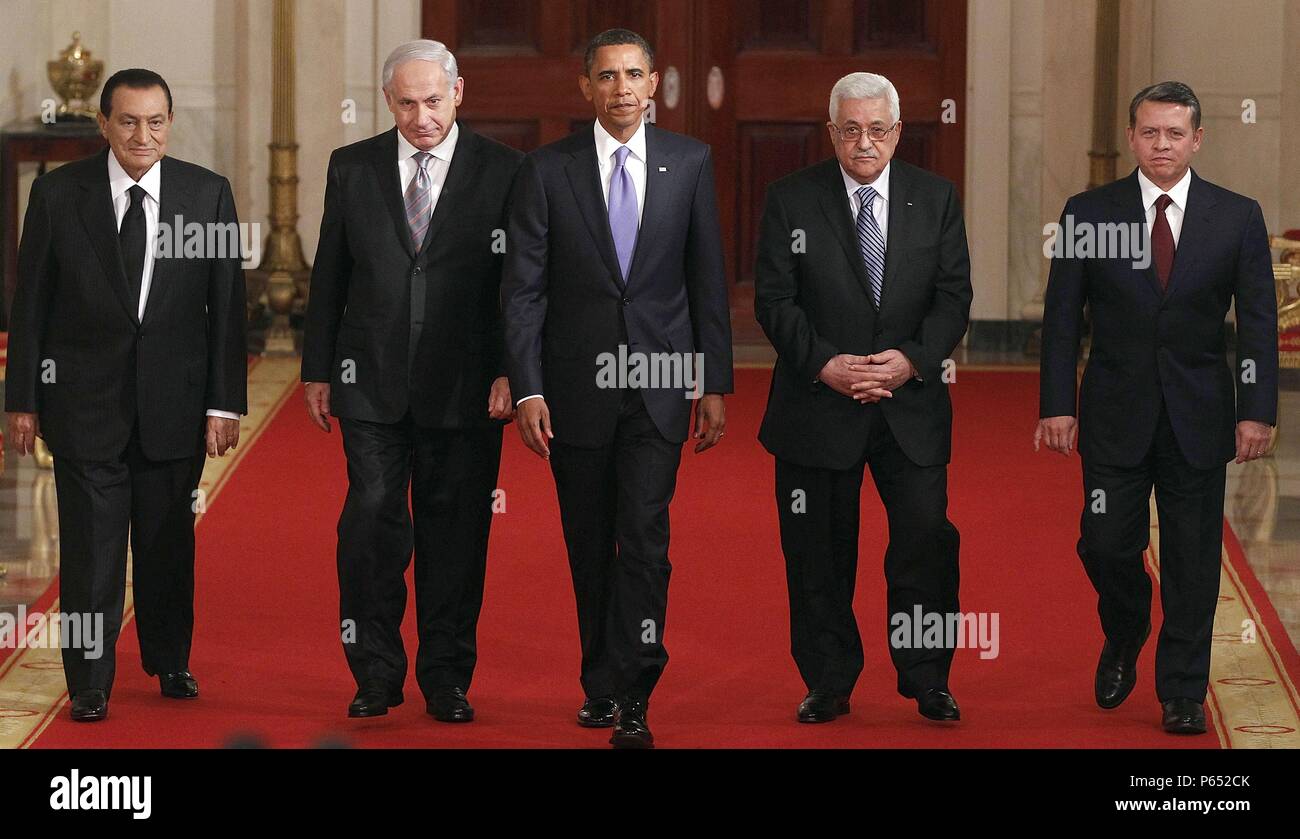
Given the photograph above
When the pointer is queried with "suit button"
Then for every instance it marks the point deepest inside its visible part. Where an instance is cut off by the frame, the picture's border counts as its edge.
(417, 270)
(627, 301)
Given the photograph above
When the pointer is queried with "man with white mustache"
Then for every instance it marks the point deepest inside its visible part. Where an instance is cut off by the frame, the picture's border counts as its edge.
(863, 309)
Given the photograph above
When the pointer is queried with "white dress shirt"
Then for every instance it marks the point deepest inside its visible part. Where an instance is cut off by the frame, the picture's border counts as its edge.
(119, 184)
(879, 207)
(1175, 211)
(437, 166)
(635, 165)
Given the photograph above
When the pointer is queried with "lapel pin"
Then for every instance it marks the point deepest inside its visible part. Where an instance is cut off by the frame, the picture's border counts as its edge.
(663, 168)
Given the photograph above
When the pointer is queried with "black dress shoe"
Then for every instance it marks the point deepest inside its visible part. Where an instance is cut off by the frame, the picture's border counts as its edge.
(179, 685)
(821, 706)
(938, 705)
(598, 712)
(1117, 671)
(89, 706)
(448, 704)
(374, 701)
(1183, 716)
(631, 730)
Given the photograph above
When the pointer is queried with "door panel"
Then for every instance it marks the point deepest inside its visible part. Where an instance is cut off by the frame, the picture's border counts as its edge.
(769, 65)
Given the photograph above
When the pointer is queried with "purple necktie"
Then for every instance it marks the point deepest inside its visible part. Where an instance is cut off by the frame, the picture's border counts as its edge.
(623, 216)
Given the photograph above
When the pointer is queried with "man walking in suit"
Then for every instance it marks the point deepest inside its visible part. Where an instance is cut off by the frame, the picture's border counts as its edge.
(615, 253)
(129, 360)
(403, 346)
(1157, 405)
(863, 287)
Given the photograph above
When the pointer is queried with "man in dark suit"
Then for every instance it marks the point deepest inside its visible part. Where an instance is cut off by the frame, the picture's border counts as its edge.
(615, 253)
(1157, 404)
(403, 345)
(863, 287)
(129, 360)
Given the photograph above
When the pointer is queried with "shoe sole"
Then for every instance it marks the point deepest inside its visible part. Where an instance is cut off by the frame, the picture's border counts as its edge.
(180, 696)
(95, 718)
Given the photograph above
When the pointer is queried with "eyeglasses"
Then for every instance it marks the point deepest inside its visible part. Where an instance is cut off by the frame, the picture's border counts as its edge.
(853, 133)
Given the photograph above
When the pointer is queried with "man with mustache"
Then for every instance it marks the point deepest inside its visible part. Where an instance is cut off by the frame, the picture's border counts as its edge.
(863, 287)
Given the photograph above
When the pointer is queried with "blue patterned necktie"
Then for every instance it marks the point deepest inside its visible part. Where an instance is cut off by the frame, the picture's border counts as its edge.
(419, 199)
(871, 242)
(623, 216)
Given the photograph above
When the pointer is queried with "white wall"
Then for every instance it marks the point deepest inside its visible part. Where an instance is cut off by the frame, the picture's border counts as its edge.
(1029, 78)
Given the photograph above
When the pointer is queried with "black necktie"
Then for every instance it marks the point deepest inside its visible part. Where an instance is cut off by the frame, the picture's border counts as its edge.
(131, 239)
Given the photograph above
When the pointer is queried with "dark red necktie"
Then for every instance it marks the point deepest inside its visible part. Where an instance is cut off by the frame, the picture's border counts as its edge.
(1162, 242)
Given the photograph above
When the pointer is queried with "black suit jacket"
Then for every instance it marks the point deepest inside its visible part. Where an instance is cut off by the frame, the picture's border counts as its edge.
(563, 295)
(79, 356)
(359, 311)
(813, 300)
(1149, 346)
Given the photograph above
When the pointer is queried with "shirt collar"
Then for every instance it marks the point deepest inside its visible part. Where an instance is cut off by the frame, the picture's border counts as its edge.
(880, 184)
(606, 145)
(119, 181)
(1150, 192)
(442, 151)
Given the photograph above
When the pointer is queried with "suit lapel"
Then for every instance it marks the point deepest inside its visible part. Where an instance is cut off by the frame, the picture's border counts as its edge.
(101, 227)
(1129, 199)
(384, 161)
(1198, 226)
(172, 188)
(453, 186)
(658, 192)
(835, 204)
(584, 177)
(898, 227)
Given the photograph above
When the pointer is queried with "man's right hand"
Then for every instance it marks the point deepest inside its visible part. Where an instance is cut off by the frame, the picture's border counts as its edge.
(534, 420)
(838, 377)
(1057, 432)
(318, 404)
(23, 431)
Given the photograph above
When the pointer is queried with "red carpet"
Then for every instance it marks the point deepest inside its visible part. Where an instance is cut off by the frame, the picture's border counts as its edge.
(269, 661)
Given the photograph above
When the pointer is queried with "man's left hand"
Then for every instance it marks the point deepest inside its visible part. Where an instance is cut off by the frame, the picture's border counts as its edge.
(1252, 440)
(891, 368)
(222, 436)
(710, 420)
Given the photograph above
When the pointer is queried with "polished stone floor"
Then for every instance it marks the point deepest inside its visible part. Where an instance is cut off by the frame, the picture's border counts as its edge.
(1262, 505)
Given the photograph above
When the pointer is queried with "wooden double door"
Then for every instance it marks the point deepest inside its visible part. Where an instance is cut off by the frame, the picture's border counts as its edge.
(750, 77)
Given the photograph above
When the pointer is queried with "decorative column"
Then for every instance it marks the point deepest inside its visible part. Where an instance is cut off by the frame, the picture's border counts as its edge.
(1105, 89)
(283, 272)
(1103, 154)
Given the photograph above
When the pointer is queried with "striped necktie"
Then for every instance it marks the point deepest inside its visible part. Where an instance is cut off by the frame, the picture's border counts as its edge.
(419, 199)
(871, 242)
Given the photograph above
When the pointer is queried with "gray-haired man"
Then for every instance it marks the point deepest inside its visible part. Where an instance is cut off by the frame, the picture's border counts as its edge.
(403, 346)
(862, 319)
